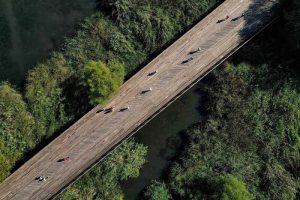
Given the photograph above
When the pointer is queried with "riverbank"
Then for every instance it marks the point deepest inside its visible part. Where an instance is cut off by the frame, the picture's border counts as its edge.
(163, 137)
(30, 30)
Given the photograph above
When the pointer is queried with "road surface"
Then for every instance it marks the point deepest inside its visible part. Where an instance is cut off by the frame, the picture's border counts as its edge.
(95, 134)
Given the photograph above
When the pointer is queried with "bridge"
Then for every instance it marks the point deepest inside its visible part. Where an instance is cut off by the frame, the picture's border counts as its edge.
(148, 92)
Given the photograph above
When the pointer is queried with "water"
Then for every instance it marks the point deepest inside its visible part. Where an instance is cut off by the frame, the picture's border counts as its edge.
(163, 136)
(31, 29)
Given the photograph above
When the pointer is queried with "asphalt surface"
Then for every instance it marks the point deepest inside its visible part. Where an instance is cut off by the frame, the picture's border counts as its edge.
(177, 67)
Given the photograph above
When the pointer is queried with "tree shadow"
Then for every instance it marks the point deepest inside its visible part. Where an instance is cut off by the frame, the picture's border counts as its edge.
(76, 97)
(271, 48)
(257, 17)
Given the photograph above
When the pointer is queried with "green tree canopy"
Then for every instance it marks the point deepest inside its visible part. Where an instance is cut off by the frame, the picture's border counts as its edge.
(16, 128)
(157, 191)
(251, 131)
(102, 80)
(103, 181)
(233, 189)
(44, 94)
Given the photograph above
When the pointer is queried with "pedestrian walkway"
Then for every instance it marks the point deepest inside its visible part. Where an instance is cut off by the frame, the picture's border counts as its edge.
(101, 129)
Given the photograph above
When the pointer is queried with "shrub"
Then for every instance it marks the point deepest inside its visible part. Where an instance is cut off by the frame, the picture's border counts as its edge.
(157, 191)
(102, 80)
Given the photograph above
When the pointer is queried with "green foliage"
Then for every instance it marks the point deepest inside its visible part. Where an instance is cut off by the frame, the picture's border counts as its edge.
(103, 181)
(102, 81)
(44, 95)
(154, 23)
(16, 128)
(136, 29)
(252, 132)
(56, 89)
(99, 39)
(157, 191)
(233, 189)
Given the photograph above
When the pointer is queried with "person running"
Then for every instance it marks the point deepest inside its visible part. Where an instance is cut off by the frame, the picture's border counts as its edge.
(108, 110)
(66, 158)
(220, 21)
(195, 51)
(100, 110)
(152, 73)
(145, 91)
(42, 178)
(123, 109)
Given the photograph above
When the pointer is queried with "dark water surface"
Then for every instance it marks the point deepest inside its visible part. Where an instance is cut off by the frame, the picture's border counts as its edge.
(163, 136)
(31, 29)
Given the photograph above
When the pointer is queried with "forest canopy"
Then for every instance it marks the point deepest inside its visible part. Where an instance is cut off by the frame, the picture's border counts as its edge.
(16, 128)
(248, 146)
(251, 133)
(92, 64)
(101, 80)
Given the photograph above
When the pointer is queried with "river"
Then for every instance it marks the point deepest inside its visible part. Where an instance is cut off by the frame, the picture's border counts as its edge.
(164, 136)
(31, 29)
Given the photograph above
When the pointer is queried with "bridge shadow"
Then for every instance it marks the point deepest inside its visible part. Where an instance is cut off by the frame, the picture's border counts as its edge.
(271, 48)
(258, 16)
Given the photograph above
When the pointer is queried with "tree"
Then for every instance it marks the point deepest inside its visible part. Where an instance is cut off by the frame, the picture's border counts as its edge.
(16, 128)
(251, 122)
(102, 80)
(233, 189)
(157, 191)
(44, 94)
(103, 181)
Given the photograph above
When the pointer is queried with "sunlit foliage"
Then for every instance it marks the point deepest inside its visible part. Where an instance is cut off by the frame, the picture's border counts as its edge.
(157, 191)
(101, 80)
(251, 132)
(103, 181)
(16, 128)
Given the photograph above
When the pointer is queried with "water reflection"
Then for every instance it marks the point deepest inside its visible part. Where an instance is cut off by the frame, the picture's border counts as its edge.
(163, 136)
(31, 29)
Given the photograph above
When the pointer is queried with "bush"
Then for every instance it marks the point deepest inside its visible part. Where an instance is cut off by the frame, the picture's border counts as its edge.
(233, 189)
(157, 191)
(249, 123)
(103, 181)
(44, 95)
(16, 128)
(102, 80)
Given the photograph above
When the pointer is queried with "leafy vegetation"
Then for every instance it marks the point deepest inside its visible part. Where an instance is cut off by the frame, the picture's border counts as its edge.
(16, 128)
(157, 191)
(44, 95)
(102, 81)
(232, 188)
(249, 145)
(90, 67)
(251, 132)
(103, 182)
(248, 148)
(153, 23)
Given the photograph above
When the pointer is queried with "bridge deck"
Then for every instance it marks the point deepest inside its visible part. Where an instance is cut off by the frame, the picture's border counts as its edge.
(96, 133)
